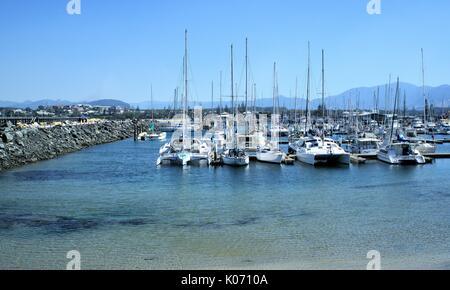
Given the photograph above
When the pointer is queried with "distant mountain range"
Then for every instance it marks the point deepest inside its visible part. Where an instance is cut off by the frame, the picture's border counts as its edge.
(413, 95)
(363, 97)
(48, 102)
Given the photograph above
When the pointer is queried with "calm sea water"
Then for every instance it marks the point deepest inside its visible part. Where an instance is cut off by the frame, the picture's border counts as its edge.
(120, 211)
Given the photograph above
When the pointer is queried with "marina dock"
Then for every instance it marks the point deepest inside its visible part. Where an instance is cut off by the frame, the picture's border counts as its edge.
(437, 155)
(362, 158)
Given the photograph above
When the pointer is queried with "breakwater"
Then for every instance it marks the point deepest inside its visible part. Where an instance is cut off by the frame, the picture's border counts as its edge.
(20, 145)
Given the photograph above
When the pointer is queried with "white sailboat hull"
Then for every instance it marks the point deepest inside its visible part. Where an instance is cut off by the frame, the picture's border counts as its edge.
(157, 136)
(200, 158)
(400, 160)
(270, 157)
(236, 161)
(401, 154)
(173, 159)
(323, 159)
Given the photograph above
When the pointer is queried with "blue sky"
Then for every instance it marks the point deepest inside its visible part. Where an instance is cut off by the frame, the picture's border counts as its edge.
(117, 48)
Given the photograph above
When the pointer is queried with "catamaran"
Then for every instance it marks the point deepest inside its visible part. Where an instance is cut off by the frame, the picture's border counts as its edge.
(321, 151)
(185, 150)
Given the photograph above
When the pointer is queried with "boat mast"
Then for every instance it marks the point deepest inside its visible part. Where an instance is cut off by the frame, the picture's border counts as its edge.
(274, 88)
(323, 84)
(151, 102)
(246, 73)
(308, 88)
(378, 100)
(397, 92)
(254, 99)
(220, 97)
(423, 92)
(185, 84)
(232, 101)
(404, 105)
(232, 82)
(212, 96)
(175, 100)
(387, 99)
(295, 100)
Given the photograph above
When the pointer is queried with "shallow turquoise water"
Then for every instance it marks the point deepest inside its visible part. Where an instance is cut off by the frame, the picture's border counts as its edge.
(119, 210)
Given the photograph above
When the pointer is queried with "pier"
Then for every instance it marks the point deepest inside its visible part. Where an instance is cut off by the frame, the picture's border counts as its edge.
(437, 155)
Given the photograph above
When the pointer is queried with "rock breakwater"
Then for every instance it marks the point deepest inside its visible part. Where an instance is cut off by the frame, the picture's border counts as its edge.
(23, 145)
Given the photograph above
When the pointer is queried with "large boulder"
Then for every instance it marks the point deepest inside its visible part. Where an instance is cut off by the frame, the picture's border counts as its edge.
(9, 125)
(7, 137)
(19, 135)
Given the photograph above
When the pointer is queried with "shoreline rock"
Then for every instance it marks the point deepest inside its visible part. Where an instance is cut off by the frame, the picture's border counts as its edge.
(20, 146)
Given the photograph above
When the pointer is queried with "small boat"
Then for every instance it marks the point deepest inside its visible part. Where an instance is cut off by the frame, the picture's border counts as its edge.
(270, 155)
(400, 154)
(418, 126)
(152, 136)
(236, 158)
(157, 136)
(411, 133)
(421, 145)
(320, 151)
(366, 145)
(424, 147)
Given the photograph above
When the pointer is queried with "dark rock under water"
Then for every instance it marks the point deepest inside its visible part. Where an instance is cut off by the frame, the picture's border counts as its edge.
(64, 224)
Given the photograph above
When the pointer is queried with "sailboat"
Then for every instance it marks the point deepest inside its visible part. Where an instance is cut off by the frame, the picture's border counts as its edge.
(321, 151)
(185, 150)
(154, 134)
(402, 152)
(318, 150)
(366, 143)
(270, 152)
(234, 156)
(252, 137)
